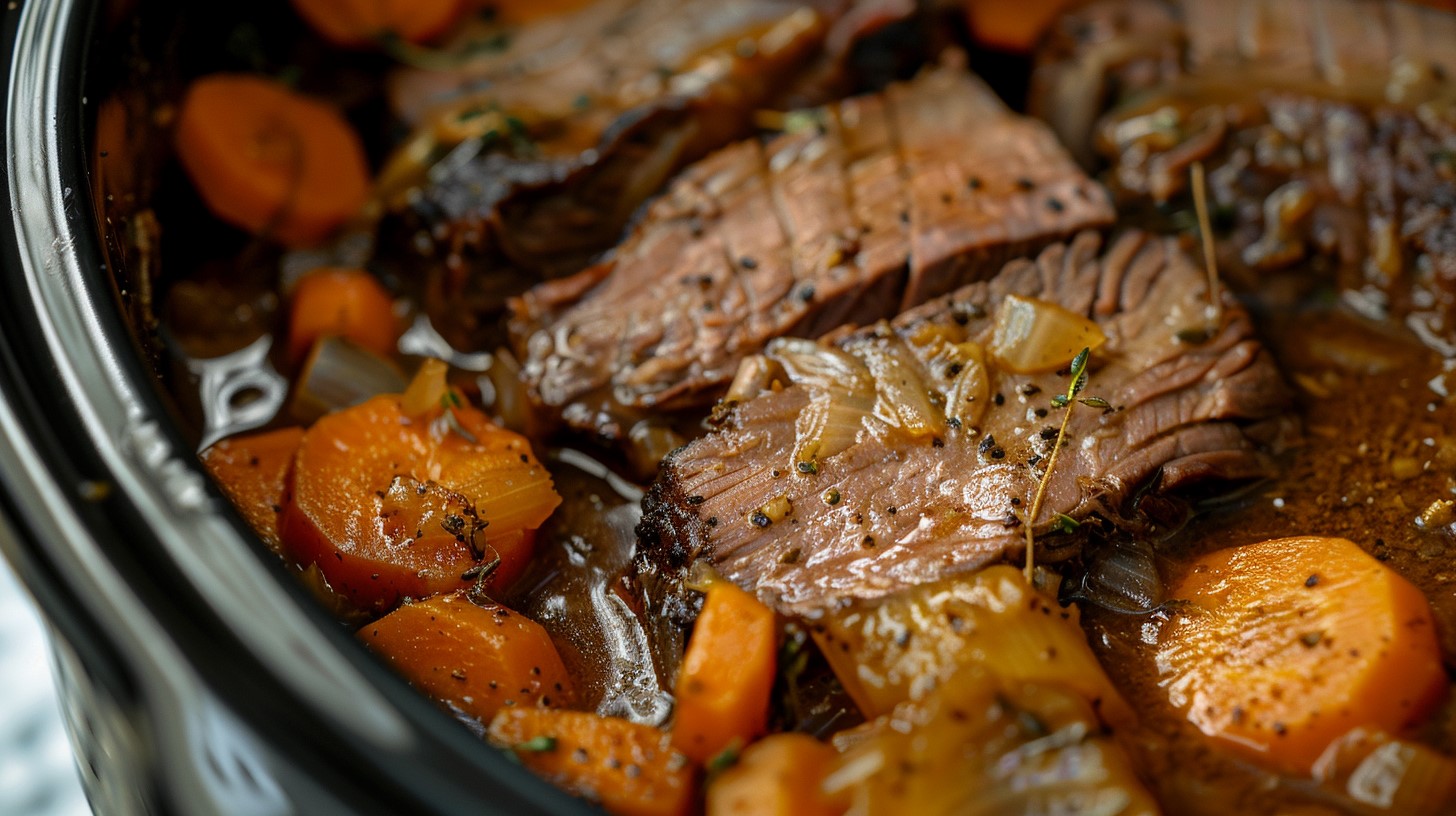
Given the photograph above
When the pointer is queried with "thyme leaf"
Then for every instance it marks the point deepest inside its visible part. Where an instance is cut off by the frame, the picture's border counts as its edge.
(1210, 261)
(1078, 374)
(1064, 523)
(537, 745)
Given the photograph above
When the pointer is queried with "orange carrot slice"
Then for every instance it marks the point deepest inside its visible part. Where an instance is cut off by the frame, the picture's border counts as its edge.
(629, 768)
(269, 160)
(252, 471)
(781, 775)
(1289, 644)
(347, 303)
(1012, 25)
(362, 23)
(390, 503)
(476, 659)
(726, 676)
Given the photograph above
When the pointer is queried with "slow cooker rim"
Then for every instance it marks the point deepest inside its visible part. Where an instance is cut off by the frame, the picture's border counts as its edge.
(78, 486)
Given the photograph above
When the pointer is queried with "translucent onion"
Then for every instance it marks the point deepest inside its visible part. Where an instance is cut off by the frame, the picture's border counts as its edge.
(824, 367)
(503, 394)
(1387, 774)
(904, 647)
(828, 425)
(339, 374)
(427, 390)
(985, 745)
(904, 399)
(970, 392)
(1123, 577)
(1034, 336)
(841, 397)
(754, 376)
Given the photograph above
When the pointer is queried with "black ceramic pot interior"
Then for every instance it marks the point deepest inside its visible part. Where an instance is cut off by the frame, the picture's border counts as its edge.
(201, 678)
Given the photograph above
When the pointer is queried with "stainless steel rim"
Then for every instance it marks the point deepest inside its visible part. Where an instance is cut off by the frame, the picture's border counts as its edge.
(141, 480)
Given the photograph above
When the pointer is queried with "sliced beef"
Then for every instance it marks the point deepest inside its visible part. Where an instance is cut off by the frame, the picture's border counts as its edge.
(1103, 52)
(926, 452)
(865, 208)
(551, 138)
(1328, 131)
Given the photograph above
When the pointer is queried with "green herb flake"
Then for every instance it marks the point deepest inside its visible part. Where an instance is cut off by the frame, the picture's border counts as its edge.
(1095, 402)
(1079, 373)
(1063, 523)
(537, 745)
(724, 759)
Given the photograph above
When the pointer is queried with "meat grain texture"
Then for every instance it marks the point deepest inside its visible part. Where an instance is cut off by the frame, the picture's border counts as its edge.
(1328, 130)
(875, 204)
(910, 499)
(554, 132)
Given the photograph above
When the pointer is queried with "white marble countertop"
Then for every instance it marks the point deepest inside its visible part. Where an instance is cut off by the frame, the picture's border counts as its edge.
(37, 770)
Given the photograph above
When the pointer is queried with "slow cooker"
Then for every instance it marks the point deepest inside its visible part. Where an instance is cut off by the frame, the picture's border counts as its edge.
(196, 678)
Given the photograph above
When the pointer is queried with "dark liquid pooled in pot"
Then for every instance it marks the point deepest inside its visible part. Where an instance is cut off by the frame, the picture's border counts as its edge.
(1381, 446)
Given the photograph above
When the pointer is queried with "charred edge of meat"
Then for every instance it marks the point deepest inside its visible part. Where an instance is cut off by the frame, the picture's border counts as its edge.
(671, 534)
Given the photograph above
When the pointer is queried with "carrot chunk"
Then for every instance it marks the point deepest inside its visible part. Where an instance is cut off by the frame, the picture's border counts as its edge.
(362, 23)
(781, 775)
(726, 676)
(269, 160)
(1012, 25)
(630, 769)
(252, 471)
(390, 503)
(476, 659)
(1287, 645)
(347, 303)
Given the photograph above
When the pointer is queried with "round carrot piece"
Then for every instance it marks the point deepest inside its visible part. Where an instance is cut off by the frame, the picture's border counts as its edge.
(364, 23)
(269, 160)
(347, 303)
(390, 504)
(253, 471)
(1287, 645)
(477, 659)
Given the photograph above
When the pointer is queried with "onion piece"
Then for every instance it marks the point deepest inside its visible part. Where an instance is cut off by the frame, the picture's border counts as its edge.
(1123, 577)
(1033, 336)
(841, 396)
(755, 375)
(339, 374)
(970, 392)
(426, 392)
(809, 363)
(1387, 774)
(981, 744)
(828, 425)
(903, 398)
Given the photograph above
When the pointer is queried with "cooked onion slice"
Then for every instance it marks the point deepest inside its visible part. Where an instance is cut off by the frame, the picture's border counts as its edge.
(903, 397)
(842, 395)
(970, 392)
(1033, 336)
(339, 374)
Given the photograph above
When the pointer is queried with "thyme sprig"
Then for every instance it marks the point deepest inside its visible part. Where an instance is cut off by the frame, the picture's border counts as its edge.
(1210, 261)
(1068, 401)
